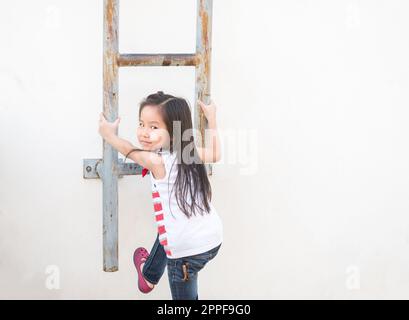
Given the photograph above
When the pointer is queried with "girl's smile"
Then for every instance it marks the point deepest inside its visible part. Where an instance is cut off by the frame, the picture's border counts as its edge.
(152, 132)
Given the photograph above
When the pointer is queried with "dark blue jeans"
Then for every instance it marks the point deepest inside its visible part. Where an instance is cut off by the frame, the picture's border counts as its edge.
(182, 272)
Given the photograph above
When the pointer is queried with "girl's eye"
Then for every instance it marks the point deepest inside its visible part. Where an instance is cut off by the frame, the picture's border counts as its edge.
(154, 127)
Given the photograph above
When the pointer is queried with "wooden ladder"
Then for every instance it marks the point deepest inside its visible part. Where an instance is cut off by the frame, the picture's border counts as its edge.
(110, 168)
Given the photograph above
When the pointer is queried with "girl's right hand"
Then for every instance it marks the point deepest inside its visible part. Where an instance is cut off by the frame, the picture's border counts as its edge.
(106, 128)
(208, 110)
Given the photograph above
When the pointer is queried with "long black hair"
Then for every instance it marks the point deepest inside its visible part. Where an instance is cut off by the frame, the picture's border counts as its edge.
(192, 182)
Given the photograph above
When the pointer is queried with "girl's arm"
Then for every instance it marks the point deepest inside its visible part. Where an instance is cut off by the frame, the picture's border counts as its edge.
(212, 153)
(150, 160)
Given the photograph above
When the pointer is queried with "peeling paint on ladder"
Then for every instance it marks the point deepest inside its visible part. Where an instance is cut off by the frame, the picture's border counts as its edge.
(112, 60)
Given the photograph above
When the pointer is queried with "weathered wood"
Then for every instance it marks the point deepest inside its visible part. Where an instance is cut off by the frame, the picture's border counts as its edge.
(109, 168)
(110, 155)
(203, 54)
(162, 60)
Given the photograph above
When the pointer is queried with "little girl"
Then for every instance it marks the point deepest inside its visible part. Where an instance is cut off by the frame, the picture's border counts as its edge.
(190, 232)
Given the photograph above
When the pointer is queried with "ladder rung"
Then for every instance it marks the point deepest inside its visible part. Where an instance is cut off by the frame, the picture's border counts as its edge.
(128, 60)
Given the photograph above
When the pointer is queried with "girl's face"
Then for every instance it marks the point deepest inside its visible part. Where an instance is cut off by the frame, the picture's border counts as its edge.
(152, 132)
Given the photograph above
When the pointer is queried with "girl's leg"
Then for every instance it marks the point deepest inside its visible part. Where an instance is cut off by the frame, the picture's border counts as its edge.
(183, 274)
(182, 279)
(155, 265)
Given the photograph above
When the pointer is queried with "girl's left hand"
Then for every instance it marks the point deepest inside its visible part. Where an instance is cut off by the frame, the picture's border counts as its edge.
(107, 128)
(208, 110)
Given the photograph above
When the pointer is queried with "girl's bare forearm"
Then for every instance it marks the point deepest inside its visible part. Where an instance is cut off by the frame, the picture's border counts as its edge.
(121, 145)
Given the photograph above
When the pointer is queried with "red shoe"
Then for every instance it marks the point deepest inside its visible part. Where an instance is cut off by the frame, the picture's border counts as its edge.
(140, 255)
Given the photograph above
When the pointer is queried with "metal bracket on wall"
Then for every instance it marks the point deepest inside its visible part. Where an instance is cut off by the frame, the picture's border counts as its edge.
(110, 168)
(93, 168)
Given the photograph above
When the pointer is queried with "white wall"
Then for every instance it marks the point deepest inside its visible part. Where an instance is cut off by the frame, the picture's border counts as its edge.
(321, 85)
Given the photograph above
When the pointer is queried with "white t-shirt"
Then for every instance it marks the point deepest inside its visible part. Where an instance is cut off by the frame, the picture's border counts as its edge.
(182, 236)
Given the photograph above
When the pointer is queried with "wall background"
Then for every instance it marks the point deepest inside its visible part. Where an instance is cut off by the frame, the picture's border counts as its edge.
(319, 91)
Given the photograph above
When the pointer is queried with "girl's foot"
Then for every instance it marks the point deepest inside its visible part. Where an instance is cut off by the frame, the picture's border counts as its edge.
(139, 257)
(149, 284)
